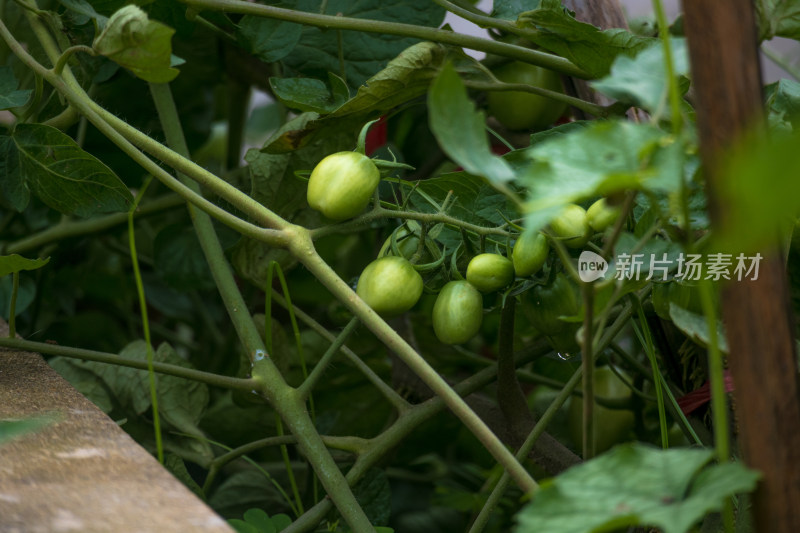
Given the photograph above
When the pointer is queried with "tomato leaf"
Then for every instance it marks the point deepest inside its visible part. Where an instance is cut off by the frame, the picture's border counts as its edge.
(461, 129)
(16, 263)
(778, 18)
(269, 39)
(783, 104)
(642, 80)
(671, 489)
(602, 158)
(511, 9)
(10, 96)
(42, 160)
(587, 46)
(309, 94)
(317, 52)
(139, 44)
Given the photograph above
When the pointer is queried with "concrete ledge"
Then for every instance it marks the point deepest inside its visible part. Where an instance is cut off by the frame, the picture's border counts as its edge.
(83, 473)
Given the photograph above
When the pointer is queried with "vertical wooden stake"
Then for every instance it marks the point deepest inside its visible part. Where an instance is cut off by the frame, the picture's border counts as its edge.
(726, 78)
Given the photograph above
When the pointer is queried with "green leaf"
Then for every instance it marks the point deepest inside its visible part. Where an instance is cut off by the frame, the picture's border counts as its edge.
(10, 96)
(317, 52)
(245, 490)
(783, 104)
(511, 9)
(16, 263)
(635, 485)
(66, 178)
(602, 158)
(778, 18)
(12, 184)
(139, 44)
(587, 46)
(268, 39)
(642, 80)
(84, 8)
(177, 468)
(179, 259)
(81, 375)
(374, 496)
(25, 295)
(696, 328)
(11, 429)
(461, 130)
(309, 94)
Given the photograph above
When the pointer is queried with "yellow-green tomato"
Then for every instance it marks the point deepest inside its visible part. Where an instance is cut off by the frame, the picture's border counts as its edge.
(601, 215)
(612, 426)
(490, 272)
(518, 110)
(390, 285)
(529, 253)
(457, 313)
(572, 226)
(342, 184)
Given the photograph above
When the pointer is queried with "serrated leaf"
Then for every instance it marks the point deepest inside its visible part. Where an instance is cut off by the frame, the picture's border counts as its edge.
(268, 39)
(244, 490)
(61, 174)
(16, 263)
(179, 259)
(778, 18)
(10, 96)
(374, 496)
(635, 485)
(12, 183)
(461, 129)
(511, 9)
(317, 53)
(605, 157)
(85, 380)
(587, 46)
(139, 44)
(177, 468)
(642, 80)
(783, 104)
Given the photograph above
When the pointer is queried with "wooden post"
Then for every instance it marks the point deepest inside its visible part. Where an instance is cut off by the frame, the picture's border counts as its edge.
(727, 82)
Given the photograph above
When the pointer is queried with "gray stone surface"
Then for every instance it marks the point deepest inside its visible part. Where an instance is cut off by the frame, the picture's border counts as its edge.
(82, 473)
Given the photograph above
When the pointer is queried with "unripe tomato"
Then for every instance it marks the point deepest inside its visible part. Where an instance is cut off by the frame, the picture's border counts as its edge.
(529, 253)
(549, 302)
(457, 313)
(601, 215)
(490, 272)
(390, 285)
(518, 110)
(611, 425)
(572, 226)
(342, 184)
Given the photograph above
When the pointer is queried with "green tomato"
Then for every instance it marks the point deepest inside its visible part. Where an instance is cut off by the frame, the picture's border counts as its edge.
(612, 426)
(547, 303)
(457, 313)
(601, 215)
(529, 253)
(572, 226)
(390, 285)
(342, 184)
(490, 272)
(517, 110)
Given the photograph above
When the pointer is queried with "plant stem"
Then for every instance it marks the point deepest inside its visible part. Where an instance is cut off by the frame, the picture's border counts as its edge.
(587, 362)
(527, 55)
(215, 380)
(302, 248)
(66, 54)
(73, 228)
(319, 369)
(674, 90)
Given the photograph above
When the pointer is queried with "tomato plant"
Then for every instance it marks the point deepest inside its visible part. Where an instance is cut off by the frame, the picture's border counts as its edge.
(186, 183)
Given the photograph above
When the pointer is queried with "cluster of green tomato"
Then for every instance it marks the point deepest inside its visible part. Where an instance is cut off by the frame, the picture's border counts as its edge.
(340, 187)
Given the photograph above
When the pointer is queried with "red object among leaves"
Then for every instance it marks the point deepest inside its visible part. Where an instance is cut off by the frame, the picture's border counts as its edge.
(697, 398)
(376, 136)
